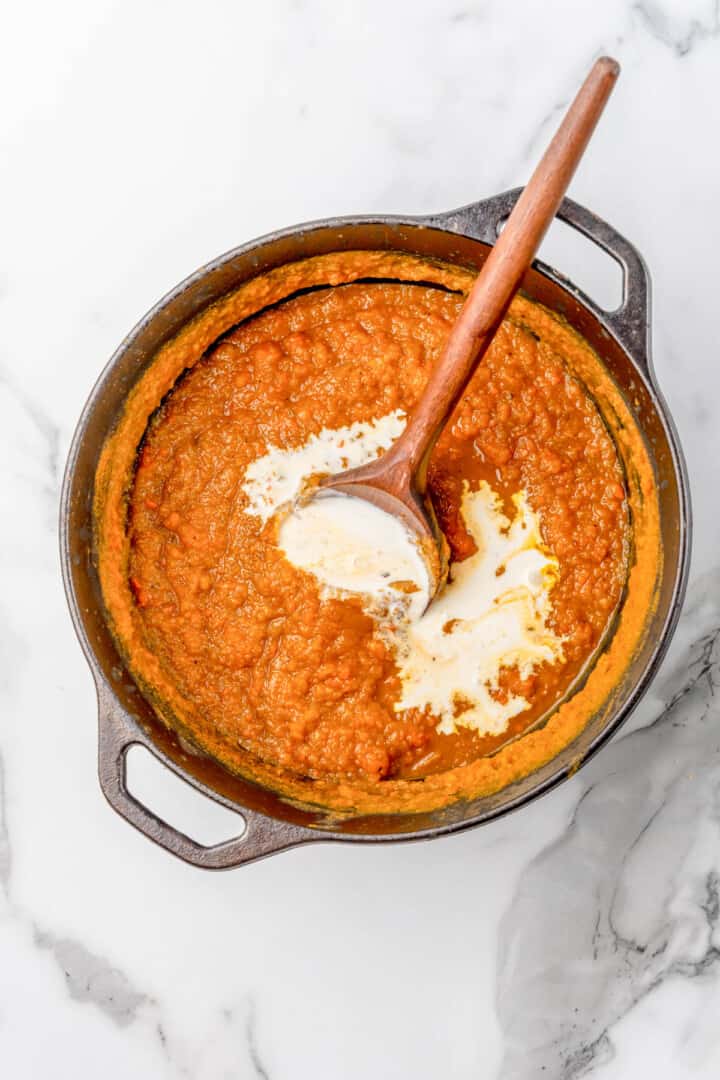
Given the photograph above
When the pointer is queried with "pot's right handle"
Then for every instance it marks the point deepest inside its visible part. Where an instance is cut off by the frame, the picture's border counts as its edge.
(263, 836)
(630, 322)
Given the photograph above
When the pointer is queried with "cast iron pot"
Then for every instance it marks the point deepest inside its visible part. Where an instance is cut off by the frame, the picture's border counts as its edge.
(461, 236)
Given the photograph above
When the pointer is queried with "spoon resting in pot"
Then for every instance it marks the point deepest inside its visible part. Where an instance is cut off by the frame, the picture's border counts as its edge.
(396, 482)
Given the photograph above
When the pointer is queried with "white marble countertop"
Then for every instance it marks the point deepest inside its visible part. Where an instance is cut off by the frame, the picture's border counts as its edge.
(578, 937)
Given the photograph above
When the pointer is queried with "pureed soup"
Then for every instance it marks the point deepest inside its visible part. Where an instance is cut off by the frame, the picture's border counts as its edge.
(341, 698)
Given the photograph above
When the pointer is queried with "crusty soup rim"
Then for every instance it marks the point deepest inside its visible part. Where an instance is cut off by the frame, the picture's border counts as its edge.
(515, 759)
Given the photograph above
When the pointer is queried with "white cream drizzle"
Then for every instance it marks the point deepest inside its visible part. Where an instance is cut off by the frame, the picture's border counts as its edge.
(276, 478)
(492, 614)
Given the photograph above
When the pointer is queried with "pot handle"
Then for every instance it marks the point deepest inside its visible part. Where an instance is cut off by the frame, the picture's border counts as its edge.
(630, 322)
(262, 836)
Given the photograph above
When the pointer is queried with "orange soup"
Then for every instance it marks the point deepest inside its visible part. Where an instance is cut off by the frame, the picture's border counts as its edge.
(247, 653)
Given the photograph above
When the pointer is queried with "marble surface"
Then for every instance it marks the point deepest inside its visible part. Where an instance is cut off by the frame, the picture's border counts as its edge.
(578, 938)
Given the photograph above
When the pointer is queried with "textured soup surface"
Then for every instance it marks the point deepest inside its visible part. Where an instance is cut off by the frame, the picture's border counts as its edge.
(191, 587)
(266, 663)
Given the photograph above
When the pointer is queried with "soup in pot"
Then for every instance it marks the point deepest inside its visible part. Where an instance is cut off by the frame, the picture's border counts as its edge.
(352, 698)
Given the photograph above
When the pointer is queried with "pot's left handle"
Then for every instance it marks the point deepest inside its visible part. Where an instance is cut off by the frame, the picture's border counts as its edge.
(262, 836)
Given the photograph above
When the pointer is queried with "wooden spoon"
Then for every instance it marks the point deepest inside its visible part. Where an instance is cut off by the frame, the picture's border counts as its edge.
(396, 482)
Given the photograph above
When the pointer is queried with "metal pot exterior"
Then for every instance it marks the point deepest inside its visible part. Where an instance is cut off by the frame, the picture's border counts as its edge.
(460, 236)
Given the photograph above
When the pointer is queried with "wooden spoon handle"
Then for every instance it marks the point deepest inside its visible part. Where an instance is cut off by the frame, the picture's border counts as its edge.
(508, 260)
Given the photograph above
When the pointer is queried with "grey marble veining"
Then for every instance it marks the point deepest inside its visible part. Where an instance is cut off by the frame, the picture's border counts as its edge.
(679, 31)
(577, 938)
(90, 978)
(628, 896)
(252, 1044)
(94, 981)
(48, 430)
